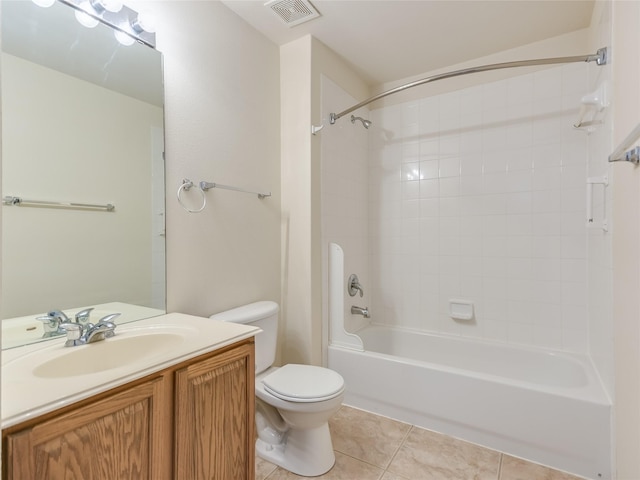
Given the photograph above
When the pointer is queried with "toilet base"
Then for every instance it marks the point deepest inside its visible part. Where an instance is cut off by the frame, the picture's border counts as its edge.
(307, 452)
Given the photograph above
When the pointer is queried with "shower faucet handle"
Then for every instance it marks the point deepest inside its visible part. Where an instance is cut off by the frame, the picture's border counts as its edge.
(354, 286)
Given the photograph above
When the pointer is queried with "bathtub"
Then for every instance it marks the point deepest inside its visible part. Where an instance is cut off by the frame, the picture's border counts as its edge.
(547, 407)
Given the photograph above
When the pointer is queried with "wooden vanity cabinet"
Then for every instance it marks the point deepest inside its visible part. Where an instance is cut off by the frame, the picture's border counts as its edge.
(214, 418)
(189, 422)
(118, 437)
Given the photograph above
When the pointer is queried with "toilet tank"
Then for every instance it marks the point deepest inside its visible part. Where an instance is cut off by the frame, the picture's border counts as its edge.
(264, 315)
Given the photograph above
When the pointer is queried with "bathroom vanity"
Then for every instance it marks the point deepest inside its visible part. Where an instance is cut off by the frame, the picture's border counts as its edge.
(180, 407)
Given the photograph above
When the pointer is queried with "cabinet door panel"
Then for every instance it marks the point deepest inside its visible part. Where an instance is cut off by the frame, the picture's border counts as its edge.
(119, 437)
(215, 418)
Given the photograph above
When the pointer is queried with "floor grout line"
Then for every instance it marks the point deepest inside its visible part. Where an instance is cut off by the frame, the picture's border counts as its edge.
(361, 460)
(400, 445)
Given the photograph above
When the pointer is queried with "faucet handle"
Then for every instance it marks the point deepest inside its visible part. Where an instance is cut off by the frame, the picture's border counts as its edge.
(109, 318)
(50, 324)
(74, 332)
(108, 321)
(82, 316)
(354, 285)
(60, 315)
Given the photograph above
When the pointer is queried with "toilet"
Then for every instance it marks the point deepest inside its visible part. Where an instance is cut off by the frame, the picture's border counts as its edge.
(293, 402)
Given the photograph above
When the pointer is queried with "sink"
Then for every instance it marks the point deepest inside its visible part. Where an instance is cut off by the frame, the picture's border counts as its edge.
(114, 352)
(42, 377)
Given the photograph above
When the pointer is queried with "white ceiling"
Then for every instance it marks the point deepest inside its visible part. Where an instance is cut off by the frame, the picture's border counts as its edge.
(388, 40)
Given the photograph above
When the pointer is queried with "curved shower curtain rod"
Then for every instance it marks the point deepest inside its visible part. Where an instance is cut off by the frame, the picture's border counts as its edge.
(600, 57)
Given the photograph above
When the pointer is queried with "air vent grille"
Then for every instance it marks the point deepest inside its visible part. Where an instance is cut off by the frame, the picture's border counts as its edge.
(293, 12)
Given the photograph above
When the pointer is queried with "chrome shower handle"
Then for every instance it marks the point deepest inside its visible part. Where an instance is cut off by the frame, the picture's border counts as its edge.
(354, 286)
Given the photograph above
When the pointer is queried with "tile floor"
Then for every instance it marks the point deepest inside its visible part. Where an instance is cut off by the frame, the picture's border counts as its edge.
(371, 447)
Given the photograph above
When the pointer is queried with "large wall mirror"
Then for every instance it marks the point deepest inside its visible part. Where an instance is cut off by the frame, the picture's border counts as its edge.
(82, 123)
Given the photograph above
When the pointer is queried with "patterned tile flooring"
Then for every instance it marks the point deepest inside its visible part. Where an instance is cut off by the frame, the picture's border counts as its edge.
(371, 447)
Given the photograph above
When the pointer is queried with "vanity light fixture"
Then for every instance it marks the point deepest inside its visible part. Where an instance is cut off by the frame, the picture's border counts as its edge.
(85, 19)
(44, 3)
(113, 6)
(123, 38)
(144, 22)
(129, 25)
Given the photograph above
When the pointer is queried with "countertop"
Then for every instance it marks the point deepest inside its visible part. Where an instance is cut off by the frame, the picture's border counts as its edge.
(26, 395)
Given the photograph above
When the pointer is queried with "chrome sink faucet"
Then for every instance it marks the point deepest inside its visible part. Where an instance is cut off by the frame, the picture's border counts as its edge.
(51, 323)
(78, 334)
(55, 318)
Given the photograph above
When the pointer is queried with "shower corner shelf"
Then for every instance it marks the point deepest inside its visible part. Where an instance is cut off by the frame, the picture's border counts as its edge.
(592, 106)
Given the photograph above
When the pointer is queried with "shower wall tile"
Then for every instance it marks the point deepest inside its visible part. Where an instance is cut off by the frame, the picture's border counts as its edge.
(480, 194)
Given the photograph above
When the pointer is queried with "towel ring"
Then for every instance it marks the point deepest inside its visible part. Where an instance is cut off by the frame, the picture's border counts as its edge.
(186, 186)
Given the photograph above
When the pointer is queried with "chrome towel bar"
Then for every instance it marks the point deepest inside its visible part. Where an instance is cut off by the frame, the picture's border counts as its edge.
(621, 152)
(203, 187)
(22, 202)
(209, 185)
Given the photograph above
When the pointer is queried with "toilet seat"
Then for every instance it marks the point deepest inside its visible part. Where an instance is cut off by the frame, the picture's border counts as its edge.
(304, 383)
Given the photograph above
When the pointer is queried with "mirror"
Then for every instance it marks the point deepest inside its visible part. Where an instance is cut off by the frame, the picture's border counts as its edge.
(82, 123)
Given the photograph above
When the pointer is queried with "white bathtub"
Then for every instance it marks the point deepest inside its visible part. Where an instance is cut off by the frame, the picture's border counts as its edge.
(547, 407)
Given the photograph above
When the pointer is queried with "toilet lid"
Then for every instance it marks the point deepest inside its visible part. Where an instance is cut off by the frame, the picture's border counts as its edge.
(303, 383)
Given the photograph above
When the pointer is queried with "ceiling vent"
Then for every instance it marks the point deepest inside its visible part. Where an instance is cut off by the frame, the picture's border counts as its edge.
(293, 12)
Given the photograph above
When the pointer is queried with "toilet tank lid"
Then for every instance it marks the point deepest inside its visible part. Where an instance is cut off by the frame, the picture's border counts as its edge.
(248, 313)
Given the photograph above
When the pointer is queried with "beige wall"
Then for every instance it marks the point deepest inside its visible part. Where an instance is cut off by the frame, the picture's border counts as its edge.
(296, 335)
(222, 125)
(626, 239)
(302, 64)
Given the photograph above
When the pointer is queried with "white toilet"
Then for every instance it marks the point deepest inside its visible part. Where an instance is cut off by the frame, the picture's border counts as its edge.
(293, 402)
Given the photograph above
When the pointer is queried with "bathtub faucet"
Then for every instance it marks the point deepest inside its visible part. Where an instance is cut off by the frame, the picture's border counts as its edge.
(360, 311)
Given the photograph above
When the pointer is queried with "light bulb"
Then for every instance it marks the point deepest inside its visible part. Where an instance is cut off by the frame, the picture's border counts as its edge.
(144, 22)
(100, 6)
(44, 3)
(85, 19)
(123, 38)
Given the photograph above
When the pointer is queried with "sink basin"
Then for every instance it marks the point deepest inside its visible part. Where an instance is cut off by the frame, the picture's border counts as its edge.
(114, 352)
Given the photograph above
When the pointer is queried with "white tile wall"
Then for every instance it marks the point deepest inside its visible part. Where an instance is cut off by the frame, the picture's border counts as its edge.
(480, 194)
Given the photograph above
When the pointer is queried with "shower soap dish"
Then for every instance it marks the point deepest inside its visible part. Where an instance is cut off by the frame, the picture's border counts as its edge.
(461, 309)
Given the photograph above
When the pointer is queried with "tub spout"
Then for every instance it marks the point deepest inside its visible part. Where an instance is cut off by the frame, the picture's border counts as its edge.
(364, 311)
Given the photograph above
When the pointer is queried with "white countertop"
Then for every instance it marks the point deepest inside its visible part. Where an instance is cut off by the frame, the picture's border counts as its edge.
(26, 395)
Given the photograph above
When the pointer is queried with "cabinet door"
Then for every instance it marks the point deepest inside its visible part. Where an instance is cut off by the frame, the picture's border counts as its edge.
(215, 418)
(118, 437)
